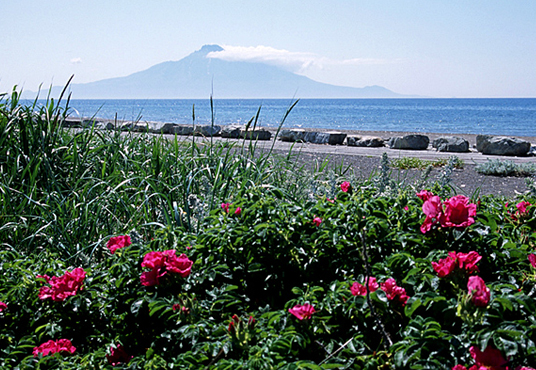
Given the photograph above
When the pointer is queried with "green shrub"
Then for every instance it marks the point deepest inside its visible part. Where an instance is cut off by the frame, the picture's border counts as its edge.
(262, 240)
(499, 167)
(405, 163)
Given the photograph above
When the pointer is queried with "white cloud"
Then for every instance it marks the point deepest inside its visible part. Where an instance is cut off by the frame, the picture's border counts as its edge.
(294, 61)
(76, 60)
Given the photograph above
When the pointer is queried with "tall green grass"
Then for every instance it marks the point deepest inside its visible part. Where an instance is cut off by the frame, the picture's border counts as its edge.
(69, 191)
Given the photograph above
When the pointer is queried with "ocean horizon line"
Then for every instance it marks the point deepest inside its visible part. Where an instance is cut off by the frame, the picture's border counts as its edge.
(495, 116)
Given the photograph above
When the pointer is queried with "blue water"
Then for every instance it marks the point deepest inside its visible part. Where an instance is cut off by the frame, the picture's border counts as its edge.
(472, 116)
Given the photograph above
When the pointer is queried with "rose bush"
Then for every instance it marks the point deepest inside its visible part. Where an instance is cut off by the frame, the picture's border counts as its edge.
(63, 192)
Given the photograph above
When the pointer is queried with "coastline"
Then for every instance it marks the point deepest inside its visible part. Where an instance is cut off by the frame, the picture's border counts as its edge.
(364, 162)
(472, 156)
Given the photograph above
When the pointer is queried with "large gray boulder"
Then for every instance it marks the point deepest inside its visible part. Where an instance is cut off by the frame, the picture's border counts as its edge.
(411, 142)
(365, 141)
(335, 137)
(502, 145)
(150, 127)
(161, 128)
(257, 134)
(292, 135)
(183, 130)
(88, 123)
(451, 144)
(105, 125)
(231, 131)
(314, 137)
(207, 130)
(330, 137)
(134, 126)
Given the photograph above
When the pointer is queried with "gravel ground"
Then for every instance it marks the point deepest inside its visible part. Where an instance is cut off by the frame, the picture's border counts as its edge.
(365, 161)
(466, 181)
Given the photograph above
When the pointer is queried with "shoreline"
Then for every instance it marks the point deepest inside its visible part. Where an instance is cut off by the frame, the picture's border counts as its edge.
(364, 161)
(472, 156)
(386, 134)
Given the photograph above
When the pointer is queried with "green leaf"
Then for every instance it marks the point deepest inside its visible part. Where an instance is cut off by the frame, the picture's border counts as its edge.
(412, 305)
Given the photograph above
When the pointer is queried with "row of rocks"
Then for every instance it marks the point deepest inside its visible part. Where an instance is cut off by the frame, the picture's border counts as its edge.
(486, 144)
(314, 137)
(232, 131)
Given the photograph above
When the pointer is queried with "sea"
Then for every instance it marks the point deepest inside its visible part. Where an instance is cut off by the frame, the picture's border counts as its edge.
(515, 117)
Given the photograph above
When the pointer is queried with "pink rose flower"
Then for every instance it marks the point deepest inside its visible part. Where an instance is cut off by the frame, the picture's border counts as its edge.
(118, 356)
(179, 265)
(302, 311)
(394, 292)
(521, 212)
(153, 260)
(458, 212)
(360, 289)
(432, 209)
(445, 266)
(225, 207)
(152, 278)
(51, 347)
(346, 187)
(522, 208)
(65, 345)
(330, 200)
(406, 208)
(479, 291)
(238, 211)
(424, 195)
(532, 259)
(465, 261)
(46, 348)
(459, 367)
(63, 286)
(468, 261)
(491, 358)
(161, 263)
(317, 221)
(118, 242)
(3, 306)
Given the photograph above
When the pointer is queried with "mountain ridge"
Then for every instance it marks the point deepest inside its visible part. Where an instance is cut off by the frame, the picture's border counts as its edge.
(198, 76)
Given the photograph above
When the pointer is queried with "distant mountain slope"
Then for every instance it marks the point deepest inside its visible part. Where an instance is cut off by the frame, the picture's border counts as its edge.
(196, 76)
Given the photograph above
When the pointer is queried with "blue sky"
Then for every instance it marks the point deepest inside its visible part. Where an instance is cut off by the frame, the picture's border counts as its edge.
(477, 48)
